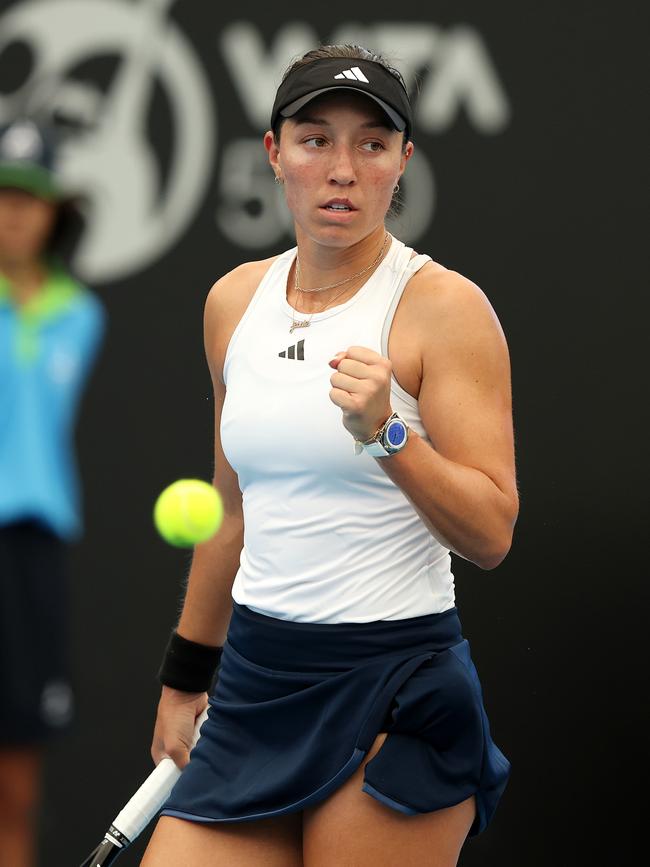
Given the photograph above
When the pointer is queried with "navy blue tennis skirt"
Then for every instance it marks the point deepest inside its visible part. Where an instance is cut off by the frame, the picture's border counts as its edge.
(298, 705)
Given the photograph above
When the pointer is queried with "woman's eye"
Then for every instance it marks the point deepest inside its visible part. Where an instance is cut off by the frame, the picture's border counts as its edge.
(373, 146)
(315, 141)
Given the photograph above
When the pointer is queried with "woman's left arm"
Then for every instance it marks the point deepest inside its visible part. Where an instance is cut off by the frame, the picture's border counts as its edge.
(463, 484)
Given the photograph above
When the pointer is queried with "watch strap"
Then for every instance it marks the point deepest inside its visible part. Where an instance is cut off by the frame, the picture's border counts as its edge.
(376, 450)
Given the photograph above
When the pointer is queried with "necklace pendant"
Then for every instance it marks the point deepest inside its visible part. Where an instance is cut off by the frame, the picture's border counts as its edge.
(303, 324)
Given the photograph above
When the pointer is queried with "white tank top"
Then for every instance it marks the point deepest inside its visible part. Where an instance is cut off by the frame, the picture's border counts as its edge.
(328, 536)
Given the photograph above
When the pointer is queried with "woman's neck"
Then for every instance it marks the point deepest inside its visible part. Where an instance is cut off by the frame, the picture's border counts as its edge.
(25, 278)
(321, 265)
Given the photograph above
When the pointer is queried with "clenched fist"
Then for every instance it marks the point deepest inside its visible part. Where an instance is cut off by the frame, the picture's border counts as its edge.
(361, 388)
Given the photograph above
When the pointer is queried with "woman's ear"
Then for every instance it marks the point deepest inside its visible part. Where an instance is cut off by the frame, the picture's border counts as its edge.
(407, 153)
(273, 151)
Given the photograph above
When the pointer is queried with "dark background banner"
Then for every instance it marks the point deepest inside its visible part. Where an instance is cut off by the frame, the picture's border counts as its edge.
(527, 181)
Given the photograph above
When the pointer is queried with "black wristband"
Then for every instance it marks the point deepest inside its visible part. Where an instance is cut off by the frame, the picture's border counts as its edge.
(187, 665)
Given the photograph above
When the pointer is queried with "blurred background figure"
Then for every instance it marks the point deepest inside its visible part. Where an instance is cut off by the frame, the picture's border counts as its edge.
(50, 330)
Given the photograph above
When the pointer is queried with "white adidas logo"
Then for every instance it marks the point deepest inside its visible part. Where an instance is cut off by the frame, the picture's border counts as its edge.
(353, 74)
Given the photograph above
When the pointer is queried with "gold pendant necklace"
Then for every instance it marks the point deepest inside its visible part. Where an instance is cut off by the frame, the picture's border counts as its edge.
(294, 325)
(304, 323)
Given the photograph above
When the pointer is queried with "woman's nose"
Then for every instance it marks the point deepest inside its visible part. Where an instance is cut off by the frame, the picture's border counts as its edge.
(342, 170)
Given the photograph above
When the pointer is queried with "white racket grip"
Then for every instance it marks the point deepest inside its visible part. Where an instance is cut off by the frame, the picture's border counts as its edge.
(152, 794)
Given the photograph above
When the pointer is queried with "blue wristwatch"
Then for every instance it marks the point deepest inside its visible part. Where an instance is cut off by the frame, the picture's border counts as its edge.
(391, 438)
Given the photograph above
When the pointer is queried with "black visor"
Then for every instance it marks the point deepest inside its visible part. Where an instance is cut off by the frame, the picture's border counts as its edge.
(342, 73)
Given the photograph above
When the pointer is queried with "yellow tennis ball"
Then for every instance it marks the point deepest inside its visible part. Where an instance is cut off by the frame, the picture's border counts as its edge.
(187, 512)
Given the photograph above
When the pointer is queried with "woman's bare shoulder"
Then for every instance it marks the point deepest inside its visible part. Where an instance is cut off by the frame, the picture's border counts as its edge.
(445, 308)
(237, 287)
(437, 290)
(226, 304)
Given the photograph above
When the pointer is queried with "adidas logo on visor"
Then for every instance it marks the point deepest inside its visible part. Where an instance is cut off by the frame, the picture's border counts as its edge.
(353, 74)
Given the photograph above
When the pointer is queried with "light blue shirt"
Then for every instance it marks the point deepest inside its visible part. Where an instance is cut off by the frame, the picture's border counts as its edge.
(47, 347)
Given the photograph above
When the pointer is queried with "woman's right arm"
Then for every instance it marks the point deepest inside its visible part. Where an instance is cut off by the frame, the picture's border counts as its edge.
(208, 601)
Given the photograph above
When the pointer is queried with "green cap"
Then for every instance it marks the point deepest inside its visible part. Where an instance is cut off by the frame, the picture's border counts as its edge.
(27, 160)
(32, 179)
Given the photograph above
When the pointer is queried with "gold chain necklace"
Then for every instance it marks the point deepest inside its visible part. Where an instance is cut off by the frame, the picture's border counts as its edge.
(305, 322)
(345, 279)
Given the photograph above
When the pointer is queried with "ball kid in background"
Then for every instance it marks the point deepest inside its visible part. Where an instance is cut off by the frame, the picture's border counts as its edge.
(50, 330)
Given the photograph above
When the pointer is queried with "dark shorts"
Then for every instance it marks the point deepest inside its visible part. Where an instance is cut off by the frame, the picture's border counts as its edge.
(36, 697)
(298, 705)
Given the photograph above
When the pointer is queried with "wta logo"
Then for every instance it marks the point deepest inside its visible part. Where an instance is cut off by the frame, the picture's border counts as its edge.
(130, 86)
(101, 68)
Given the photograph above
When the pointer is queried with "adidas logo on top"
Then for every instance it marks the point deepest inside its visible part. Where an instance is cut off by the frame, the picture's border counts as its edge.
(297, 351)
(353, 74)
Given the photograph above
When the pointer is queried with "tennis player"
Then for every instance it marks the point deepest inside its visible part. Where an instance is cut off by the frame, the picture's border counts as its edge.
(51, 327)
(363, 432)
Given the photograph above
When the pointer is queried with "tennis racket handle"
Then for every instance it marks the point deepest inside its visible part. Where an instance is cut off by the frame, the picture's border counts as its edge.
(146, 802)
(152, 794)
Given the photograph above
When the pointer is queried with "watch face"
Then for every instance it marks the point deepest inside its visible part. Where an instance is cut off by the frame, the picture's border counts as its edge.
(395, 434)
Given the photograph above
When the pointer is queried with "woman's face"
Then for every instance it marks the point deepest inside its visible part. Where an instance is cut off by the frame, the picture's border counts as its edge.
(340, 159)
(26, 223)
